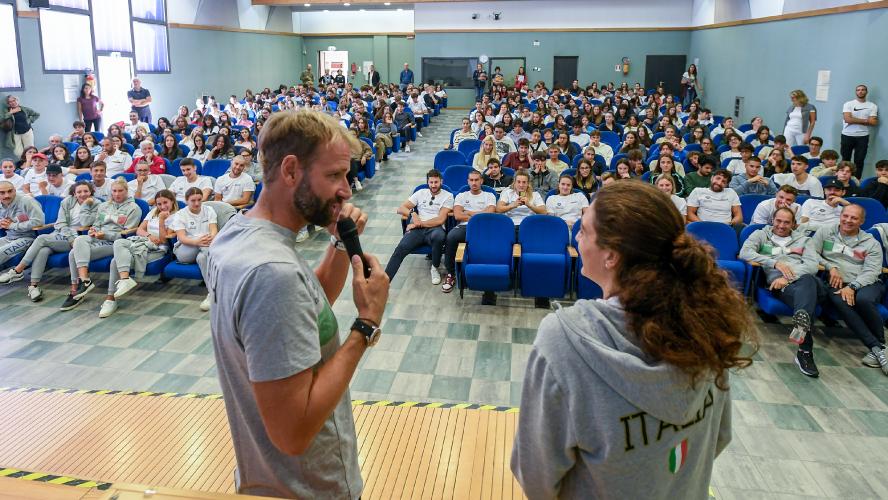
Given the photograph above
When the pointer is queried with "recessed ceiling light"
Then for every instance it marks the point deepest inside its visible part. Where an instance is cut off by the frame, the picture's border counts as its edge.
(362, 10)
(347, 4)
(326, 10)
(387, 4)
(400, 9)
(307, 4)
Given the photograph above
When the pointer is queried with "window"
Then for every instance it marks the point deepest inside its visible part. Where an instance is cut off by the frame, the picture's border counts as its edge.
(10, 67)
(149, 10)
(454, 72)
(152, 55)
(111, 26)
(71, 4)
(66, 40)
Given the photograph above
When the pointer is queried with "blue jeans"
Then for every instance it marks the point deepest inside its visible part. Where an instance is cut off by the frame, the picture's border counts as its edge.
(432, 236)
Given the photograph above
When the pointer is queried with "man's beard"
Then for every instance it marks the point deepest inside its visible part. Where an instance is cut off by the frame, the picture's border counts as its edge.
(311, 207)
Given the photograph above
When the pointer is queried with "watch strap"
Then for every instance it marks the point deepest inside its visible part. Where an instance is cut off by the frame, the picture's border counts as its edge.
(367, 329)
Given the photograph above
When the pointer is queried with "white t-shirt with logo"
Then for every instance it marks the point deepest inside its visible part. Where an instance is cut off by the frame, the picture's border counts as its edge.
(712, 206)
(811, 186)
(33, 180)
(233, 188)
(103, 192)
(61, 190)
(16, 180)
(569, 207)
(475, 202)
(518, 214)
(861, 110)
(153, 227)
(429, 206)
(180, 186)
(194, 224)
(681, 204)
(764, 212)
(152, 185)
(819, 213)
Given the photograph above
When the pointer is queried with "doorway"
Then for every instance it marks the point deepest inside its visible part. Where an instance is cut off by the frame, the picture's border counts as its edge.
(565, 71)
(115, 78)
(334, 60)
(508, 67)
(666, 71)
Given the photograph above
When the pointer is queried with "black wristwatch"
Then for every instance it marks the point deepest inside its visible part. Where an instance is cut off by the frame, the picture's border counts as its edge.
(854, 286)
(370, 332)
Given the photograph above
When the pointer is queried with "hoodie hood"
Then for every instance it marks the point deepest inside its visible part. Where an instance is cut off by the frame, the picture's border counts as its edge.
(596, 330)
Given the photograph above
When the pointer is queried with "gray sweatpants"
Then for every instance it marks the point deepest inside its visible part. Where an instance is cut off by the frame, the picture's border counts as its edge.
(123, 261)
(188, 254)
(85, 250)
(39, 252)
(10, 247)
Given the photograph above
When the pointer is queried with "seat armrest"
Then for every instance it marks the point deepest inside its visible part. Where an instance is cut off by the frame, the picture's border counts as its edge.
(42, 227)
(460, 252)
(516, 250)
(572, 252)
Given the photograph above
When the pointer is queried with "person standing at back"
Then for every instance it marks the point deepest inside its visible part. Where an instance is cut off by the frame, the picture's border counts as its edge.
(406, 77)
(628, 396)
(858, 116)
(140, 98)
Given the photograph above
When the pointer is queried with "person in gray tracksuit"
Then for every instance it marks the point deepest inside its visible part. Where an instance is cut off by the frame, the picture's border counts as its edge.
(19, 215)
(853, 261)
(790, 272)
(114, 217)
(77, 210)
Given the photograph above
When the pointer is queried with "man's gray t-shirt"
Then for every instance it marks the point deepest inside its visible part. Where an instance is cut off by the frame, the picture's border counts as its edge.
(270, 320)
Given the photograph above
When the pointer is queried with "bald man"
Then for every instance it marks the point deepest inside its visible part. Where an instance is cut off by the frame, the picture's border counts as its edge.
(19, 215)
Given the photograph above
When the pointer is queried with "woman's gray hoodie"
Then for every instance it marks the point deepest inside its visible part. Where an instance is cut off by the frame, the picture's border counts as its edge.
(67, 225)
(600, 419)
(115, 218)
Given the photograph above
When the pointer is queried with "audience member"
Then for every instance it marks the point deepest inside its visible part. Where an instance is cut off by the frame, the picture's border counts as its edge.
(784, 198)
(858, 116)
(520, 200)
(799, 178)
(717, 203)
(666, 184)
(17, 121)
(466, 204)
(19, 215)
(566, 203)
(751, 181)
(817, 213)
(195, 227)
(878, 188)
(189, 179)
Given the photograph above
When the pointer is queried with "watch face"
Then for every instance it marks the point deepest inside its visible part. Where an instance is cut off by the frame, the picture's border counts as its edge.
(374, 337)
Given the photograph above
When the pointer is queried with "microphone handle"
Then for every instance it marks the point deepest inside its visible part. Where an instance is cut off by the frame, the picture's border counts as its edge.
(353, 247)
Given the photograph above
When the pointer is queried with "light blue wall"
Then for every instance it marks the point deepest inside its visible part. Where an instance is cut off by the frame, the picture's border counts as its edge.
(765, 62)
(598, 52)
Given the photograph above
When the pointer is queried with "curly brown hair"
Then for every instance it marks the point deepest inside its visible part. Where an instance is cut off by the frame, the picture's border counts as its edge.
(676, 299)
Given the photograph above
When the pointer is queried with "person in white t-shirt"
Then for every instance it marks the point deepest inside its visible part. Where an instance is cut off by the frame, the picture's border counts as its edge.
(426, 212)
(520, 200)
(468, 203)
(100, 180)
(858, 116)
(56, 184)
(7, 168)
(817, 213)
(785, 198)
(717, 203)
(666, 184)
(799, 178)
(599, 147)
(116, 160)
(567, 204)
(578, 135)
(196, 226)
(146, 184)
(36, 175)
(190, 179)
(235, 188)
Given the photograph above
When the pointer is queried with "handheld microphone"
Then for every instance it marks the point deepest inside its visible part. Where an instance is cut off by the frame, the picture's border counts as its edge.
(348, 233)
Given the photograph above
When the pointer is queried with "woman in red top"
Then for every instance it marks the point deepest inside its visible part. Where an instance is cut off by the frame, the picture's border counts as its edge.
(520, 79)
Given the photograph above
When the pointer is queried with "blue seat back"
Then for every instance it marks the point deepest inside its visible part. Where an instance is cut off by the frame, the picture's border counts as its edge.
(446, 158)
(50, 205)
(563, 157)
(457, 176)
(693, 147)
(543, 234)
(748, 204)
(489, 239)
(486, 189)
(126, 176)
(86, 176)
(216, 168)
(469, 147)
(722, 237)
(800, 150)
(612, 139)
(875, 212)
(747, 231)
(144, 206)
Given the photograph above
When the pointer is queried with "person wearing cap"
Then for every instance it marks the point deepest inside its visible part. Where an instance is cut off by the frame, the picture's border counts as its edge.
(817, 213)
(35, 175)
(56, 184)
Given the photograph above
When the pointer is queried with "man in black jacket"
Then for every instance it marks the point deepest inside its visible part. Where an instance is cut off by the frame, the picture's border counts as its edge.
(373, 76)
(878, 188)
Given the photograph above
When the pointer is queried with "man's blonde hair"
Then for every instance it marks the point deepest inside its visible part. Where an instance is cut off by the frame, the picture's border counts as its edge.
(301, 134)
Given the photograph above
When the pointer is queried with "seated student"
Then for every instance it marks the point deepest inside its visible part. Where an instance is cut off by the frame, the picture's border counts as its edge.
(738, 165)
(494, 177)
(425, 224)
(61, 157)
(814, 145)
(599, 147)
(404, 121)
(254, 170)
(608, 178)
(133, 254)
(566, 204)
(7, 169)
(195, 227)
(733, 141)
(828, 164)
(536, 141)
(222, 149)
(116, 160)
(717, 203)
(56, 184)
(623, 170)
(170, 149)
(579, 135)
(487, 151)
(776, 164)
(520, 200)
(554, 162)
(385, 136)
(877, 189)
(76, 211)
(666, 166)
(359, 158)
(113, 217)
(784, 198)
(700, 177)
(504, 145)
(853, 259)
(519, 159)
(146, 184)
(726, 127)
(635, 163)
(799, 178)
(585, 179)
(155, 162)
(666, 184)
(598, 165)
(190, 179)
(468, 203)
(845, 176)
(236, 187)
(760, 137)
(19, 215)
(751, 181)
(566, 147)
(790, 268)
(77, 134)
(101, 183)
(245, 139)
(817, 213)
(36, 175)
(80, 163)
(462, 134)
(199, 152)
(779, 145)
(542, 180)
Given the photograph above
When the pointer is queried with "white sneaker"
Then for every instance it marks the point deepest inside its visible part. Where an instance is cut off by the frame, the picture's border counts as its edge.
(123, 287)
(205, 305)
(436, 276)
(407, 148)
(108, 308)
(418, 133)
(35, 293)
(301, 236)
(358, 185)
(10, 276)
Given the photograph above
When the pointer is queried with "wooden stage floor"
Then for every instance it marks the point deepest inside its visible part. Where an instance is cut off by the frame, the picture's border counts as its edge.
(182, 442)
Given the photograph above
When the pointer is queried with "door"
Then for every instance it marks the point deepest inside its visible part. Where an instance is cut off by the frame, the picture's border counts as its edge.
(508, 67)
(565, 71)
(665, 70)
(114, 79)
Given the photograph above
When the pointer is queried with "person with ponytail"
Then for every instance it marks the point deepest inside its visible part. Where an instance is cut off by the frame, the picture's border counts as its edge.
(628, 396)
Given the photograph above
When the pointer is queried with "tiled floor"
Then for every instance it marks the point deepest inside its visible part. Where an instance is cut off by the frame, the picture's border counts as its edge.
(793, 436)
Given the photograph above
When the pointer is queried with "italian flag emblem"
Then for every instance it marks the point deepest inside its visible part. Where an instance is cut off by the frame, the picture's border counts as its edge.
(678, 456)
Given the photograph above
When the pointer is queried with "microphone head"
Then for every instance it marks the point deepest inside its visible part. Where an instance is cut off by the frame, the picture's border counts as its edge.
(346, 228)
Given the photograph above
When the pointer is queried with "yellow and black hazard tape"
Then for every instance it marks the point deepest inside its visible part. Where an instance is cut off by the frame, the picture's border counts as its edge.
(193, 395)
(52, 479)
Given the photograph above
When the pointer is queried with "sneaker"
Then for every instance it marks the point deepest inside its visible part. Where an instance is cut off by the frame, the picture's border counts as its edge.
(123, 287)
(205, 305)
(418, 133)
(83, 288)
(436, 276)
(805, 361)
(70, 303)
(880, 356)
(449, 281)
(870, 360)
(801, 326)
(302, 235)
(488, 299)
(385, 158)
(108, 308)
(10, 276)
(35, 293)
(358, 185)
(407, 148)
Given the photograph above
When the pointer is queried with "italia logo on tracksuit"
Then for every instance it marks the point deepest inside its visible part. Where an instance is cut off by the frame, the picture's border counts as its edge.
(678, 456)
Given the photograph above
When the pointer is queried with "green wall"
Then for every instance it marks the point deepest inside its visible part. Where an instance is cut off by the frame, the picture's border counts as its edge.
(388, 53)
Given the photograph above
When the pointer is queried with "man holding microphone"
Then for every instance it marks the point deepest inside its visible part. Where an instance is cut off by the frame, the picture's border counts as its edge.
(283, 371)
